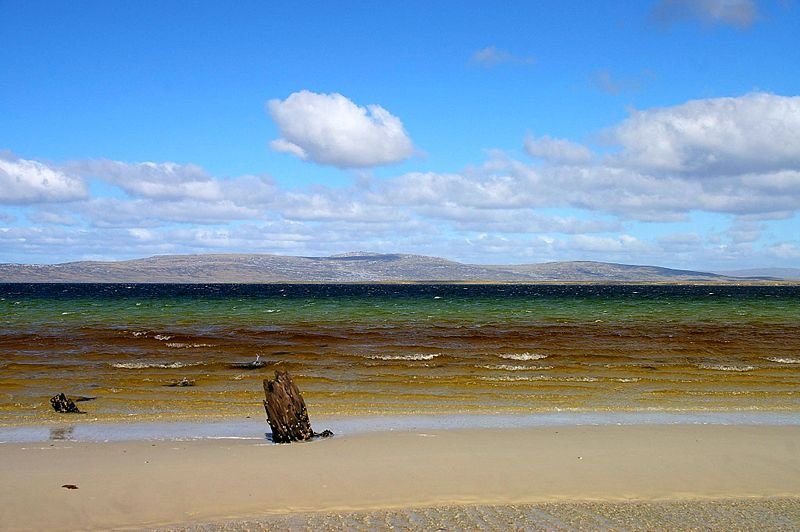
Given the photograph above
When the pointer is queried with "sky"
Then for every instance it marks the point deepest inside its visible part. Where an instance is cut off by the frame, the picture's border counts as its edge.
(663, 132)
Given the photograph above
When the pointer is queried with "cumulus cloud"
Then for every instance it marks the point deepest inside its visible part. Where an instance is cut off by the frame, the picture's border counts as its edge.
(557, 150)
(332, 130)
(493, 56)
(740, 13)
(755, 132)
(25, 182)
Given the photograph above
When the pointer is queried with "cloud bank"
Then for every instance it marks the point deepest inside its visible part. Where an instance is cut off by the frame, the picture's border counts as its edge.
(737, 159)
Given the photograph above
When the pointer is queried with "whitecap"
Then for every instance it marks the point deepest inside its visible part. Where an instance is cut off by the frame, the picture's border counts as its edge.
(412, 356)
(181, 345)
(724, 367)
(512, 367)
(145, 365)
(783, 360)
(163, 337)
(522, 356)
(515, 378)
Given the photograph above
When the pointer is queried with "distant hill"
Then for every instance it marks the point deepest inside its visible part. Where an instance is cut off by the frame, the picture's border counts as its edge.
(789, 274)
(348, 267)
(606, 271)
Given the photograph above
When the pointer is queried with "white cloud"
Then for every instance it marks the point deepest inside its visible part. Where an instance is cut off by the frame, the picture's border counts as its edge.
(741, 13)
(493, 56)
(25, 182)
(163, 181)
(785, 250)
(617, 244)
(501, 210)
(112, 212)
(171, 181)
(331, 204)
(330, 129)
(52, 217)
(753, 133)
(680, 242)
(557, 150)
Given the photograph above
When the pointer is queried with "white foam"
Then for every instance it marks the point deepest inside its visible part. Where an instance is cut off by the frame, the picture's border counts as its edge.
(412, 356)
(522, 356)
(145, 365)
(163, 337)
(511, 367)
(181, 345)
(784, 360)
(514, 378)
(724, 367)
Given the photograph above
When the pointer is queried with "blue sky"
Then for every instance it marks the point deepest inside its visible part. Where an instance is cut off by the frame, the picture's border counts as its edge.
(654, 132)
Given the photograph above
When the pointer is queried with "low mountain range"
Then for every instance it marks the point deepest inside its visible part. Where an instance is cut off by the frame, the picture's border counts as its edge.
(348, 267)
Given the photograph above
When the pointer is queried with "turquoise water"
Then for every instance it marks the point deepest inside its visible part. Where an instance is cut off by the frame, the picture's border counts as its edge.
(398, 349)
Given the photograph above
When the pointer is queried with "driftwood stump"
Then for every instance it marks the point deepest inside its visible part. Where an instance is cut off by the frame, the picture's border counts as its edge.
(63, 404)
(286, 411)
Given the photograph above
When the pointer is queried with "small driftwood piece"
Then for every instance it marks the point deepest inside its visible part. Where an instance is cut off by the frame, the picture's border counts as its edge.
(286, 411)
(63, 404)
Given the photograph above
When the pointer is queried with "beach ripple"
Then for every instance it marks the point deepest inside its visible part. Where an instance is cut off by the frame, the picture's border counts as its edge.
(726, 514)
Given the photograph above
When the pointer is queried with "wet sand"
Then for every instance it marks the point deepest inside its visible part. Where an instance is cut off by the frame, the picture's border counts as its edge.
(745, 473)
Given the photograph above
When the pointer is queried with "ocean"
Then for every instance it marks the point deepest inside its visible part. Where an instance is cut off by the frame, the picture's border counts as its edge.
(152, 352)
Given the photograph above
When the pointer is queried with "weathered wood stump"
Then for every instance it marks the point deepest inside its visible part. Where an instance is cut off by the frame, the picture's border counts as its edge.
(286, 411)
(63, 404)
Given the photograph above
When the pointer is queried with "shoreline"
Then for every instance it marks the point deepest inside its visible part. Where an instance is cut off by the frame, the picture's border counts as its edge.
(146, 484)
(80, 429)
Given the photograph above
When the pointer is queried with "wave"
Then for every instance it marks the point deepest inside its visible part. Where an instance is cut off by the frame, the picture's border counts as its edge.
(181, 345)
(522, 356)
(145, 365)
(162, 337)
(511, 367)
(725, 367)
(550, 378)
(783, 360)
(515, 378)
(412, 356)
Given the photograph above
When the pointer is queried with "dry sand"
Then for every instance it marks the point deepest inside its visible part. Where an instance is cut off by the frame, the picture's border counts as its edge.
(146, 484)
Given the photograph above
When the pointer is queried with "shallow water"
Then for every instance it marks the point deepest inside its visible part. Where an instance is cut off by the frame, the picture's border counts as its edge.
(398, 349)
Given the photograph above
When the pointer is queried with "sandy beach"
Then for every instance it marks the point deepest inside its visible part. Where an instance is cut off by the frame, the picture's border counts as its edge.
(149, 484)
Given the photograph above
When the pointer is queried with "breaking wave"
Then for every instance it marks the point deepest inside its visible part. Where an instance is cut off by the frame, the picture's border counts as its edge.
(412, 356)
(522, 356)
(783, 360)
(512, 367)
(145, 365)
(725, 367)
